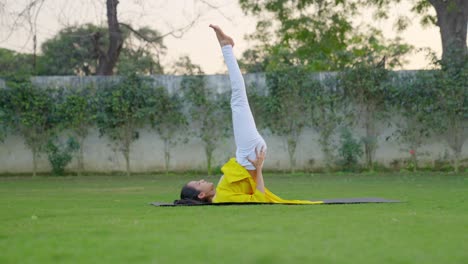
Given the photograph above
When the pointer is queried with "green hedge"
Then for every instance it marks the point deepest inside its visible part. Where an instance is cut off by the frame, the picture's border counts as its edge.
(430, 102)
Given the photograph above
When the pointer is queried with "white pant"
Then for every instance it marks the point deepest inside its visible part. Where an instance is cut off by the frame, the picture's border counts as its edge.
(245, 132)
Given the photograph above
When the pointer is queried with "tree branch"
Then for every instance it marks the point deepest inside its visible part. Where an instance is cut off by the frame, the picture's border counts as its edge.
(215, 8)
(23, 14)
(98, 51)
(173, 33)
(134, 31)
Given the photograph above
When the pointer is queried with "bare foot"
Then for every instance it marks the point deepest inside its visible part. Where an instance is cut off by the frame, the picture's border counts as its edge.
(222, 38)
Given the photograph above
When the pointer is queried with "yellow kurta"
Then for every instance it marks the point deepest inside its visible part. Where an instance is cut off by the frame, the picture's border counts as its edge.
(237, 186)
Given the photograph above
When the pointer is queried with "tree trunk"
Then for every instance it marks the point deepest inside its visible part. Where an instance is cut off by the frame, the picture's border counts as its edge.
(209, 158)
(80, 157)
(167, 154)
(34, 154)
(455, 137)
(456, 162)
(369, 143)
(127, 140)
(325, 138)
(292, 144)
(108, 60)
(452, 19)
(126, 154)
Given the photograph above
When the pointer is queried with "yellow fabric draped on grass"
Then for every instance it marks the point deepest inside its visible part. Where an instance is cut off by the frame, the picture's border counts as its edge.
(239, 187)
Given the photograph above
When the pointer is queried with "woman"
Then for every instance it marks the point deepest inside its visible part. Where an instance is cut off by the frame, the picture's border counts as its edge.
(243, 179)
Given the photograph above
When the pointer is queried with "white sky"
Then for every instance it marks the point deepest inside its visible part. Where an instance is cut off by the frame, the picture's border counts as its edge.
(199, 43)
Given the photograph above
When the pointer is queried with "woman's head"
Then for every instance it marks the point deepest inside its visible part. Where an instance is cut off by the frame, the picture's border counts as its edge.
(201, 191)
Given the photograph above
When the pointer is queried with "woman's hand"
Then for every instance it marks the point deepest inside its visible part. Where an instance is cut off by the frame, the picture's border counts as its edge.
(258, 163)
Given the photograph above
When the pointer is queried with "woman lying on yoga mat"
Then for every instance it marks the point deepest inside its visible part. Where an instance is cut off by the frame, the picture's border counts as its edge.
(242, 180)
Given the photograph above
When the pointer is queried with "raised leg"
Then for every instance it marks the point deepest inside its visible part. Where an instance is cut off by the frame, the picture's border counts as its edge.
(245, 131)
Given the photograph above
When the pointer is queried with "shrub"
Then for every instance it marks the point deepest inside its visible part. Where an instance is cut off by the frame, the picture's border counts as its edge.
(350, 151)
(61, 154)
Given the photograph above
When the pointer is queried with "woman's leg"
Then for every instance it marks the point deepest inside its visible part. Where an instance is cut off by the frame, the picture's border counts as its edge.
(245, 131)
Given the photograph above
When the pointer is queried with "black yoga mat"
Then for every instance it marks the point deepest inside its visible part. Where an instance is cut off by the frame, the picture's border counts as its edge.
(326, 201)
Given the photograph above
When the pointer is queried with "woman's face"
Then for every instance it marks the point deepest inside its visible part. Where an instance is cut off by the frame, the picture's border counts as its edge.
(202, 186)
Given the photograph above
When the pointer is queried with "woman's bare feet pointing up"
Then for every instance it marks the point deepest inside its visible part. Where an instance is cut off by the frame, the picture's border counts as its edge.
(222, 38)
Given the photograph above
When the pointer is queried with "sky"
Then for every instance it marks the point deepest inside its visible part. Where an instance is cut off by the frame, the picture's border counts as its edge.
(199, 42)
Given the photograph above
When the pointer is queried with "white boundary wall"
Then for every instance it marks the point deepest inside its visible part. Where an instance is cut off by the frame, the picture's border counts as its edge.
(147, 152)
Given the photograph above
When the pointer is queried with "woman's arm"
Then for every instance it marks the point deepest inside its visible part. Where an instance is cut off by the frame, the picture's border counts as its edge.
(258, 164)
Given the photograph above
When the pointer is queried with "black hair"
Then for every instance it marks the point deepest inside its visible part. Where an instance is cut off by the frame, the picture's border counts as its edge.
(189, 195)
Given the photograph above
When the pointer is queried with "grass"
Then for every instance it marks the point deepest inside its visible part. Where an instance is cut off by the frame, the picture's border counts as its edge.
(103, 219)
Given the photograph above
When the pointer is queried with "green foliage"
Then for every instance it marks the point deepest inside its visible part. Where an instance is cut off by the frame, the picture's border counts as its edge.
(82, 44)
(366, 84)
(185, 66)
(141, 52)
(319, 35)
(31, 112)
(327, 108)
(3, 126)
(350, 151)
(258, 102)
(60, 154)
(139, 61)
(209, 114)
(372, 48)
(288, 105)
(14, 65)
(85, 45)
(125, 108)
(3, 115)
(422, 7)
(410, 99)
(315, 41)
(169, 120)
(77, 112)
(446, 103)
(434, 103)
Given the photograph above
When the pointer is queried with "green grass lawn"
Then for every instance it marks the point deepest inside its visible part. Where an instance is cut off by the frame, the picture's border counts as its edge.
(102, 219)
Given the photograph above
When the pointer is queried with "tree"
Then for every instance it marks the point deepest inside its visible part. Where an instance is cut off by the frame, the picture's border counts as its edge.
(169, 121)
(124, 108)
(412, 101)
(349, 151)
(140, 61)
(451, 18)
(184, 66)
(31, 112)
(14, 64)
(434, 102)
(3, 115)
(365, 84)
(60, 154)
(298, 19)
(141, 52)
(315, 33)
(83, 55)
(78, 113)
(209, 114)
(108, 56)
(449, 105)
(288, 106)
(327, 108)
(107, 59)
